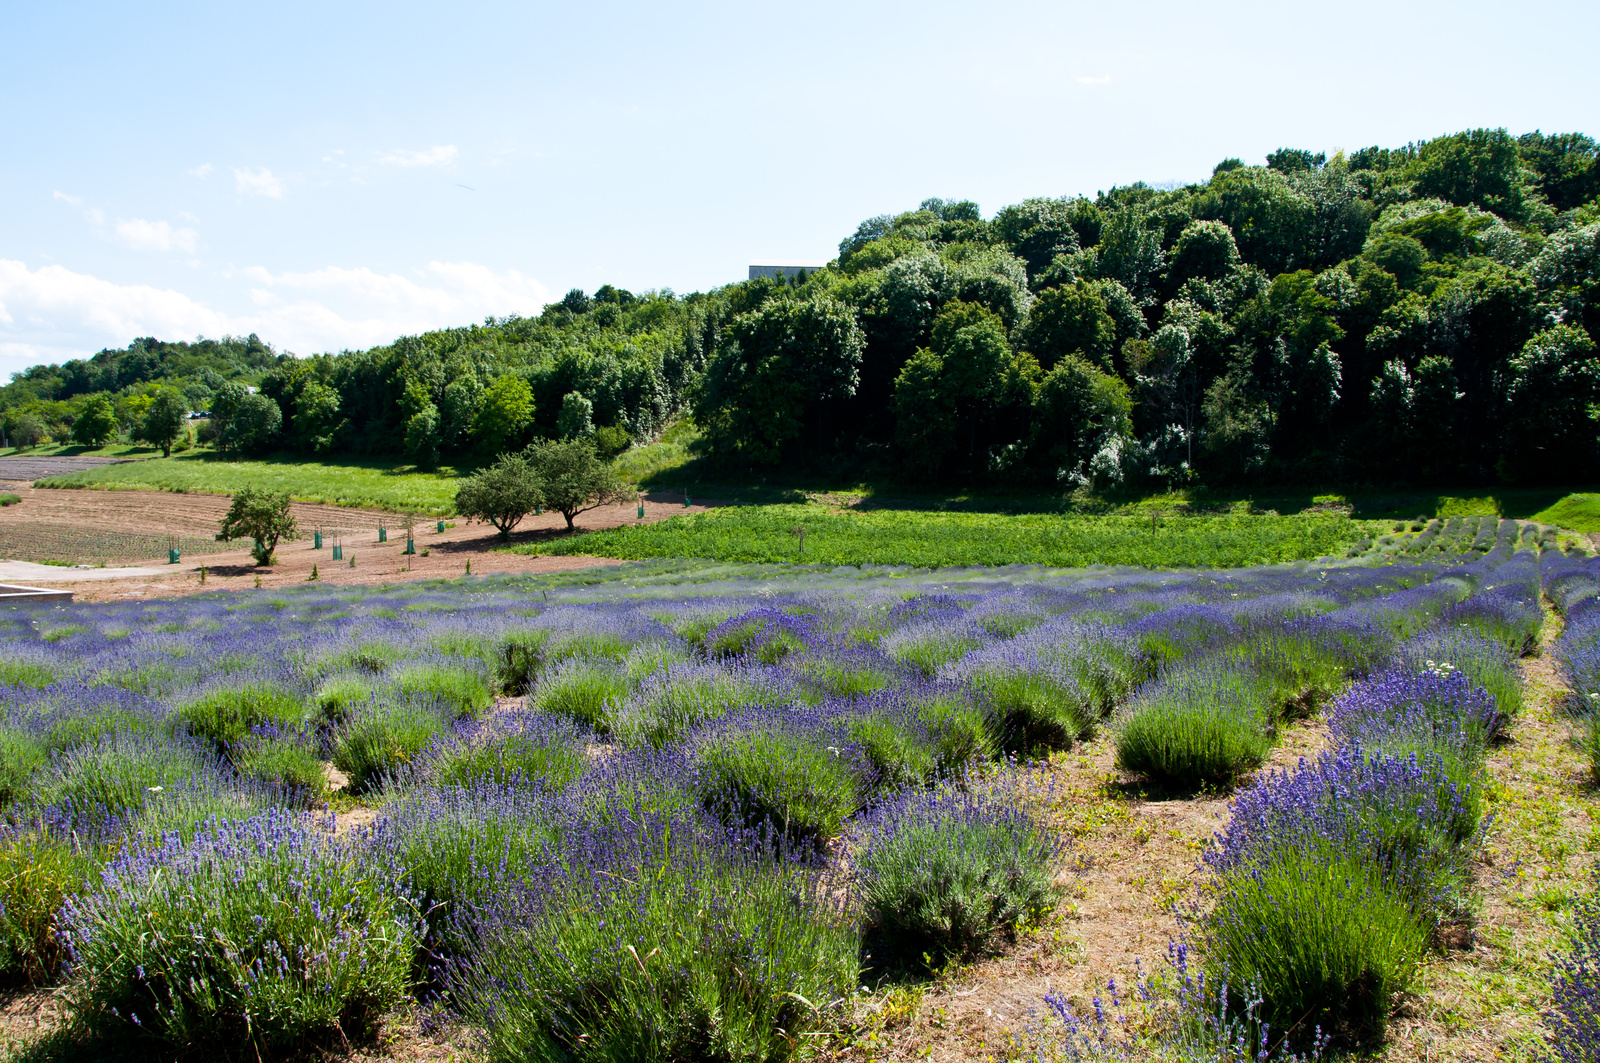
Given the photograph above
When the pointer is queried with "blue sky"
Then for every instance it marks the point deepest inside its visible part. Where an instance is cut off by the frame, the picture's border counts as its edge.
(332, 175)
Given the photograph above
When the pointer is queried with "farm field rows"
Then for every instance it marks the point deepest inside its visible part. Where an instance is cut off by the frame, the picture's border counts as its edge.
(584, 810)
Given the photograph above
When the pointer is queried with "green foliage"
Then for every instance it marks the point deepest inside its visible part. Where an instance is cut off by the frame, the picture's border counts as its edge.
(461, 690)
(260, 516)
(506, 412)
(21, 756)
(1197, 731)
(207, 963)
(793, 784)
(572, 479)
(226, 714)
(1322, 940)
(745, 981)
(1078, 413)
(952, 883)
(165, 422)
(938, 539)
(96, 425)
(780, 363)
(383, 735)
(291, 761)
(589, 691)
(37, 872)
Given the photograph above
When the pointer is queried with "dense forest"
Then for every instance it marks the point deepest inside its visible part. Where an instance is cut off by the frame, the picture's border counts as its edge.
(1420, 314)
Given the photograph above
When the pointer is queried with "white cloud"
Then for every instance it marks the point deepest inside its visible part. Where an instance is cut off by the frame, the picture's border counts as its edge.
(95, 215)
(74, 200)
(1095, 81)
(53, 313)
(140, 235)
(438, 155)
(202, 170)
(258, 183)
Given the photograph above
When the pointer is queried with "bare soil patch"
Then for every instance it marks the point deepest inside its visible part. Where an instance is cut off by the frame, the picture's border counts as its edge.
(26, 468)
(45, 515)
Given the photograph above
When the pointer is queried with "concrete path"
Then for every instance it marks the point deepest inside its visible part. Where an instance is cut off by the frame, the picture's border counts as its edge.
(28, 572)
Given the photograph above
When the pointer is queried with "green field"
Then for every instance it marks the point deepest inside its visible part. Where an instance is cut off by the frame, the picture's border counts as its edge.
(930, 539)
(378, 485)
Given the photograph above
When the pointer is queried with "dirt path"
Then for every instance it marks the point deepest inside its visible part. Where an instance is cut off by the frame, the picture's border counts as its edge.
(1483, 1002)
(1133, 862)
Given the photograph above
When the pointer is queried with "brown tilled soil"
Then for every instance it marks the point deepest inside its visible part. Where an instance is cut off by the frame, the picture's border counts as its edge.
(165, 513)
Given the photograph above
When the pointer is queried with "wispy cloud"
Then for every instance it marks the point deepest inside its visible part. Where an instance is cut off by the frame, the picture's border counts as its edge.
(1095, 81)
(439, 155)
(203, 170)
(52, 313)
(74, 200)
(258, 183)
(140, 235)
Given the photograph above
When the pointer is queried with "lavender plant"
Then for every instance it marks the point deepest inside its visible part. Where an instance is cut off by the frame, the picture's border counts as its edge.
(1573, 1021)
(1197, 727)
(261, 933)
(950, 874)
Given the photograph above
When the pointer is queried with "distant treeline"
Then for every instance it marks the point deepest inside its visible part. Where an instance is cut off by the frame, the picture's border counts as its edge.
(1426, 313)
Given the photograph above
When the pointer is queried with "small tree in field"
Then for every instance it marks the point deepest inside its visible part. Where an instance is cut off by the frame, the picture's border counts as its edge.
(573, 478)
(262, 516)
(502, 494)
(97, 424)
(163, 423)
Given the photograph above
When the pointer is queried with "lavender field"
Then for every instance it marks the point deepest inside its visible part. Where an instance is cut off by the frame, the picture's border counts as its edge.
(708, 812)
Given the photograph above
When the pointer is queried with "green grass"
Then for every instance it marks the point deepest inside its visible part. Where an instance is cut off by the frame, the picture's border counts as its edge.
(1576, 512)
(936, 539)
(371, 484)
(9, 499)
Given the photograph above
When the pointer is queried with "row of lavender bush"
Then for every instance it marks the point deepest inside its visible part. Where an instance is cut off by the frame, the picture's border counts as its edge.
(712, 806)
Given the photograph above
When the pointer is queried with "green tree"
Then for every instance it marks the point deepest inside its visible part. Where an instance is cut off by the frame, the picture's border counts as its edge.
(1037, 230)
(27, 431)
(97, 424)
(502, 494)
(1078, 412)
(576, 420)
(1480, 166)
(776, 365)
(955, 404)
(164, 421)
(506, 413)
(261, 516)
(572, 478)
(1205, 249)
(224, 404)
(317, 417)
(1070, 319)
(253, 425)
(1553, 407)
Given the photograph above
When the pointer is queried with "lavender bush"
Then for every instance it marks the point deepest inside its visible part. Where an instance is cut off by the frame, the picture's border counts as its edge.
(1574, 1018)
(262, 933)
(949, 873)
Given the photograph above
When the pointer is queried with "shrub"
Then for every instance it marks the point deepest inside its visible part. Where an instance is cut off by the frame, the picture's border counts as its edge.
(781, 779)
(1574, 1020)
(703, 954)
(383, 735)
(589, 691)
(335, 698)
(680, 697)
(517, 660)
(461, 690)
(79, 728)
(962, 732)
(20, 672)
(37, 872)
(948, 874)
(900, 752)
(1197, 728)
(455, 849)
(373, 657)
(1319, 936)
(179, 947)
(526, 749)
(286, 759)
(1035, 709)
(1438, 707)
(767, 635)
(226, 714)
(121, 772)
(1487, 664)
(21, 756)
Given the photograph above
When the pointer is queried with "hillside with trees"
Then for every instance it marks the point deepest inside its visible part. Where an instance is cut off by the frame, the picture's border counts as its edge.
(1418, 314)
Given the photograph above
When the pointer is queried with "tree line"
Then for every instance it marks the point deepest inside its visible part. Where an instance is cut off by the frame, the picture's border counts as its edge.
(1425, 313)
